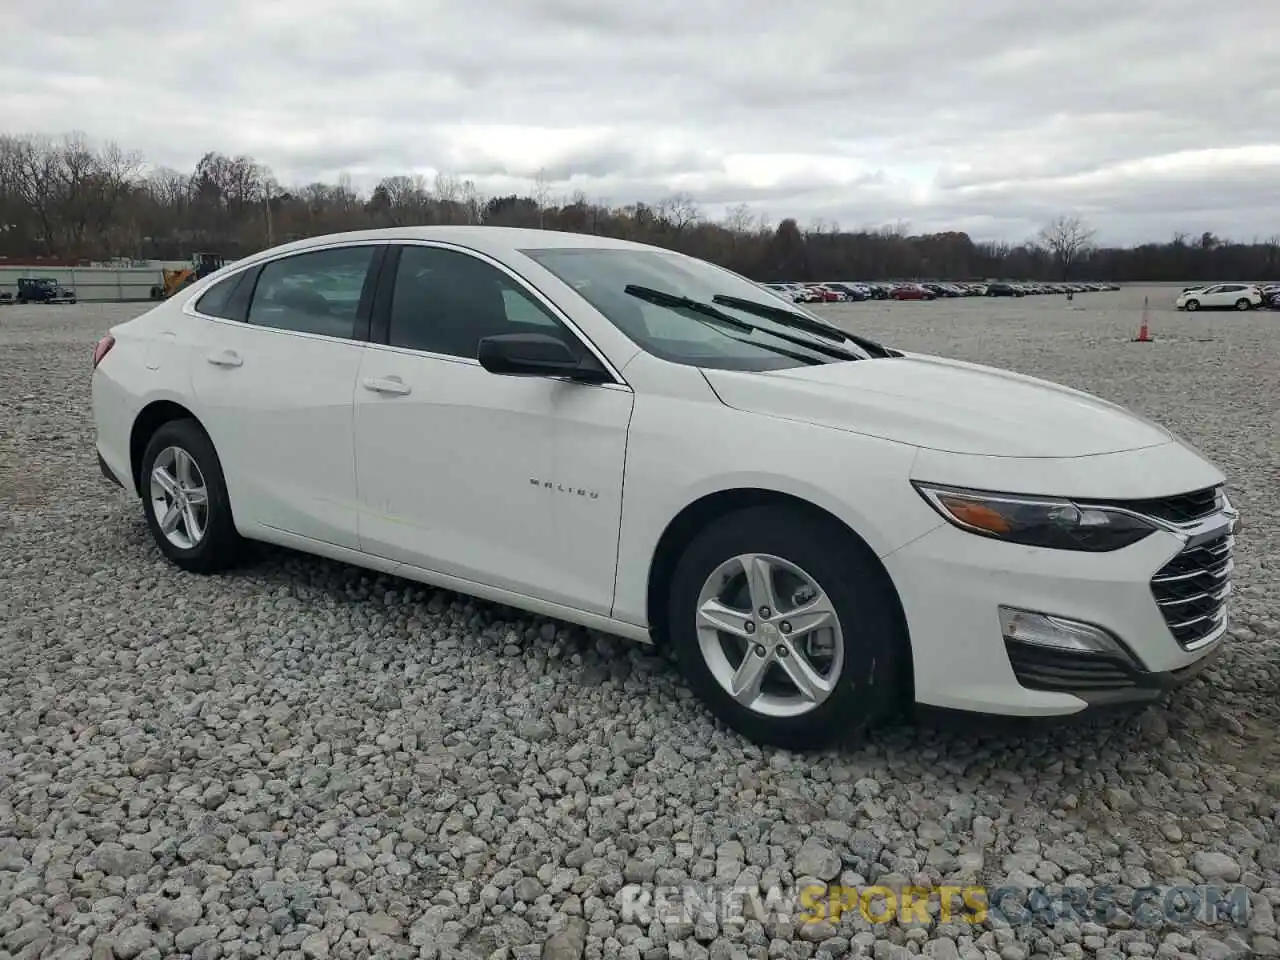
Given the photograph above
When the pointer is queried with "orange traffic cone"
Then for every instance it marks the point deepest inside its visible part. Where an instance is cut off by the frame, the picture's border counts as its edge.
(1144, 336)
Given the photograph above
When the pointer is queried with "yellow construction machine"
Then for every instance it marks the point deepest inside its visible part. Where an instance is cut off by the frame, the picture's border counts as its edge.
(173, 280)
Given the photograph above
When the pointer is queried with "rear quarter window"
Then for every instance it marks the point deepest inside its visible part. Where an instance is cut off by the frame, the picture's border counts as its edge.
(217, 301)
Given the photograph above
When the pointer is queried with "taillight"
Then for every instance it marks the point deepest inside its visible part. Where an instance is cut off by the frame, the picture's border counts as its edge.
(102, 349)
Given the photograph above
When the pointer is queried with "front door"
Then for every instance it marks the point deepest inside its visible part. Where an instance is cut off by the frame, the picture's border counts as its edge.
(513, 482)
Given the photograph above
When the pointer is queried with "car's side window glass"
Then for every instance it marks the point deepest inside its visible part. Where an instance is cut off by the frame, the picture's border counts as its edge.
(445, 301)
(215, 302)
(316, 292)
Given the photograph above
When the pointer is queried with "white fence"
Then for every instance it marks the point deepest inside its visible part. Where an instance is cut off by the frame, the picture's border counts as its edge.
(91, 283)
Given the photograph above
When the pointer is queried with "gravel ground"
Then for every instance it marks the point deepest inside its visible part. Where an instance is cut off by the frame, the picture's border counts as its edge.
(304, 759)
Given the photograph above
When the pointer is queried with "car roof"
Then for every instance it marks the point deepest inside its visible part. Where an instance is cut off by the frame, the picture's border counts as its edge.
(494, 241)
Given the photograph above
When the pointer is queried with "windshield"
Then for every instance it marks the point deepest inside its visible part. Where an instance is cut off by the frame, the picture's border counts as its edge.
(681, 333)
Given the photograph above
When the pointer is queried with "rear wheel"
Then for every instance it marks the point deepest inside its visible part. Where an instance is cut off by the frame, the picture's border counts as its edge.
(786, 628)
(1244, 304)
(185, 499)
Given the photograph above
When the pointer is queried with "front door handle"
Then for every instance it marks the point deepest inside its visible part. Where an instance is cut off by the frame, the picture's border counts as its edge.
(392, 385)
(225, 358)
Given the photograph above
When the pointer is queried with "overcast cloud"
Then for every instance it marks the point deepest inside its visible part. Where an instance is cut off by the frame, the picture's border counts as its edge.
(1145, 116)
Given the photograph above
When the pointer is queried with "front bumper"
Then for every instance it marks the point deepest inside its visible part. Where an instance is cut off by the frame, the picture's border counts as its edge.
(952, 584)
(1099, 680)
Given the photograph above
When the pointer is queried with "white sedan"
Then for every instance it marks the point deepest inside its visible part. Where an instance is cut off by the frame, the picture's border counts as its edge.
(1229, 296)
(644, 443)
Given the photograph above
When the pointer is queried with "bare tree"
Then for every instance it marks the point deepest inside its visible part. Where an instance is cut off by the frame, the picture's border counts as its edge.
(1067, 237)
(738, 219)
(676, 213)
(541, 194)
(448, 193)
(894, 231)
(470, 201)
(32, 166)
(1272, 248)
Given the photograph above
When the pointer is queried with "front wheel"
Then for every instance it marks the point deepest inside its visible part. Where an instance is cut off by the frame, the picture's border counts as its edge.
(1244, 304)
(1192, 305)
(786, 628)
(184, 496)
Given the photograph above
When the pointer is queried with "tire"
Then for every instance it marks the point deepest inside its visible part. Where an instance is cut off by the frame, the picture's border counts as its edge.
(218, 545)
(1244, 304)
(862, 658)
(1192, 306)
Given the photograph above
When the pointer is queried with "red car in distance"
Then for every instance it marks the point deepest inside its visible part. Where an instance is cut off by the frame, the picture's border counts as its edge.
(912, 291)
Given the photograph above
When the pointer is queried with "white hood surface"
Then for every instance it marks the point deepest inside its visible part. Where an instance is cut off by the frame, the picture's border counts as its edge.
(944, 405)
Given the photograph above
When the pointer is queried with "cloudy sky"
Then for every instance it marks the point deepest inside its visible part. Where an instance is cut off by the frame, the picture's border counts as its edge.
(1144, 116)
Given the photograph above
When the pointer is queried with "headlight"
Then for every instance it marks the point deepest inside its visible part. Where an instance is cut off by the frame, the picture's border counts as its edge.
(1052, 522)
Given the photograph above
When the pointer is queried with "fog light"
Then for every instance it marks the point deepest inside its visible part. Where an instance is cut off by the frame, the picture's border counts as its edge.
(1044, 630)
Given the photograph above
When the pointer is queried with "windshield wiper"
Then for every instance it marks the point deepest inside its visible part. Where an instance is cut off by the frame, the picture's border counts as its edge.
(800, 322)
(664, 299)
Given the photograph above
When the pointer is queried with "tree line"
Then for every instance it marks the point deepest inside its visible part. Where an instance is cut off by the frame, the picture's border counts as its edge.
(68, 198)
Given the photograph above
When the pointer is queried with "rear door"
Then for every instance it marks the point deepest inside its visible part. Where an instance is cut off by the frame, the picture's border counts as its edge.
(274, 371)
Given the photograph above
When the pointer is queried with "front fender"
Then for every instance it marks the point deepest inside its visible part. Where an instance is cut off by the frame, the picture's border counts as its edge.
(862, 481)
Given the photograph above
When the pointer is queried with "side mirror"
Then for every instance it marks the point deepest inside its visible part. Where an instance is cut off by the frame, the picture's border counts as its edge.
(538, 355)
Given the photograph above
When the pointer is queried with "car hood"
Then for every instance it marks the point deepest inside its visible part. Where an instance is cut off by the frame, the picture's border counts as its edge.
(940, 404)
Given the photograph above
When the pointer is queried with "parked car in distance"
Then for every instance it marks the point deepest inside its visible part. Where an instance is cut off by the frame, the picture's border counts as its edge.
(43, 290)
(1001, 289)
(826, 294)
(1220, 296)
(849, 291)
(820, 526)
(912, 291)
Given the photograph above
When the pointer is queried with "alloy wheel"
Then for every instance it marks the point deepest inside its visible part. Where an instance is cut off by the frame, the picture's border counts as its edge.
(770, 635)
(179, 498)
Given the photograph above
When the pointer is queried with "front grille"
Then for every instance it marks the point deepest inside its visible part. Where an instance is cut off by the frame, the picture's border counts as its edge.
(1180, 508)
(1044, 668)
(1192, 589)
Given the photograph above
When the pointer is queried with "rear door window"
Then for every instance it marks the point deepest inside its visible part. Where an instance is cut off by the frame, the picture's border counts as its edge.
(317, 292)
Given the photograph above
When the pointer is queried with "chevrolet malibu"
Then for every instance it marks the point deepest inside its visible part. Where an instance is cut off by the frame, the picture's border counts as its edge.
(822, 527)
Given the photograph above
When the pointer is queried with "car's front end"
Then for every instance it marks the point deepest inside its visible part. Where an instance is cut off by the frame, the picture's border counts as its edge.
(1191, 293)
(1065, 553)
(1021, 605)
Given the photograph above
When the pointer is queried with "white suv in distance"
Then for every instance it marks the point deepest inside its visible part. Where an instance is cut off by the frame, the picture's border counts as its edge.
(1223, 296)
(644, 443)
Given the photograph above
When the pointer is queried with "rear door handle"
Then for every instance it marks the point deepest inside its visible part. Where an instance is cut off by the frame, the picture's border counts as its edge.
(225, 358)
(393, 385)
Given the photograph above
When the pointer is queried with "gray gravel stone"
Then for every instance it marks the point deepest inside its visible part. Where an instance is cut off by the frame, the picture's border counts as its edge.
(1215, 866)
(303, 759)
(131, 942)
(817, 860)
